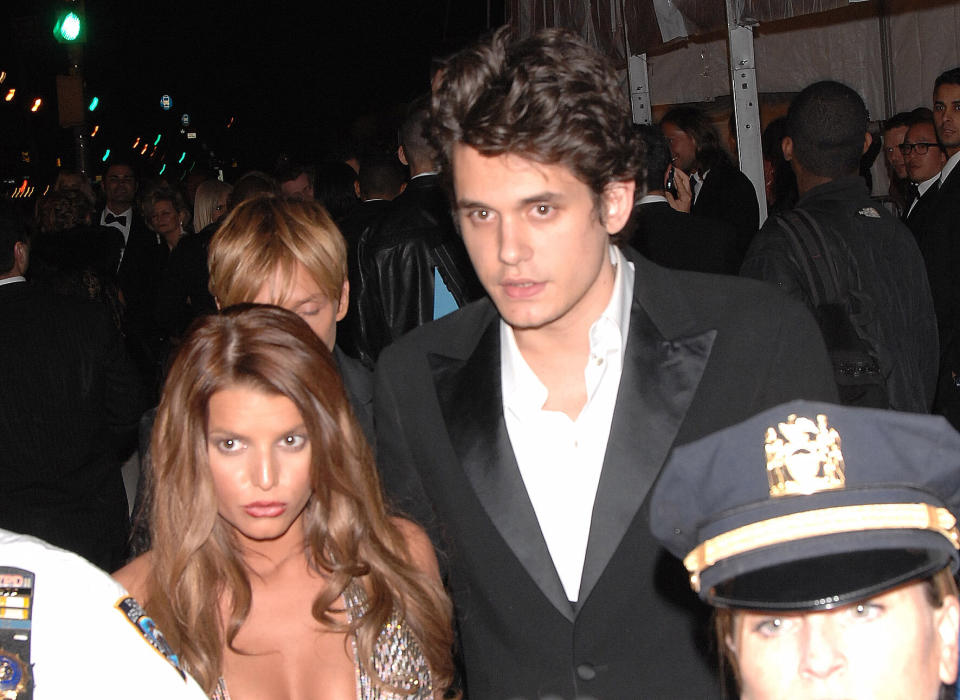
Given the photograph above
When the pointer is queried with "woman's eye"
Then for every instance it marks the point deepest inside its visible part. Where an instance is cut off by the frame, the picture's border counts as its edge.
(294, 442)
(479, 214)
(866, 611)
(228, 445)
(773, 626)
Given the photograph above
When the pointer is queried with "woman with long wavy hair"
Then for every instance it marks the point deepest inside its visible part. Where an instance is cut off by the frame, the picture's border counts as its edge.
(275, 569)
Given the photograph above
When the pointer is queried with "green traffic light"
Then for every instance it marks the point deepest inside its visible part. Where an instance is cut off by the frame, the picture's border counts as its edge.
(93, 103)
(67, 27)
(105, 155)
(182, 156)
(157, 142)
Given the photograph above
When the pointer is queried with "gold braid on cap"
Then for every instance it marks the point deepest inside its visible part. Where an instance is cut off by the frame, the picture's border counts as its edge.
(804, 457)
(814, 523)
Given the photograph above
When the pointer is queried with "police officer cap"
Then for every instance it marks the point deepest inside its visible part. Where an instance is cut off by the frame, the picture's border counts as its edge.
(809, 506)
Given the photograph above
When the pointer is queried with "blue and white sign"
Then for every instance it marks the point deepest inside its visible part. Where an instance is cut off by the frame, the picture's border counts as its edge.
(166, 102)
(185, 119)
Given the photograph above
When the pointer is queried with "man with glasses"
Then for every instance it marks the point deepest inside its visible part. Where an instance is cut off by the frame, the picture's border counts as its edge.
(924, 159)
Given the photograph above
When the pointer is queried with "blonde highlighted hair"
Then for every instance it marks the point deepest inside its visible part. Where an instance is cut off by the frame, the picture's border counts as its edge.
(267, 235)
(348, 533)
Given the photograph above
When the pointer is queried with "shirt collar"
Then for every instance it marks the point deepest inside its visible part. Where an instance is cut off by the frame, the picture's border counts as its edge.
(948, 168)
(927, 184)
(651, 198)
(522, 389)
(11, 280)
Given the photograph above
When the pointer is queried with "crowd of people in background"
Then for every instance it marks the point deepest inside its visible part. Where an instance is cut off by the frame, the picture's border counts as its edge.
(589, 295)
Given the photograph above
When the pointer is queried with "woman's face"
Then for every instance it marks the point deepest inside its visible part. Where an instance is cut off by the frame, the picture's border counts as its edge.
(221, 207)
(308, 301)
(895, 645)
(165, 219)
(259, 454)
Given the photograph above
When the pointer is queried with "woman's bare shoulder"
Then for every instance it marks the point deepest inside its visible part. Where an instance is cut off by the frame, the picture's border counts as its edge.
(135, 576)
(422, 554)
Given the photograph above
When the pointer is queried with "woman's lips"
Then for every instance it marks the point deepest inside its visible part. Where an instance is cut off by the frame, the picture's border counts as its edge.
(265, 509)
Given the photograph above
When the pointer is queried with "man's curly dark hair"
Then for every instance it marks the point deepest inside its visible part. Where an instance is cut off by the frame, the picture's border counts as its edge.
(550, 98)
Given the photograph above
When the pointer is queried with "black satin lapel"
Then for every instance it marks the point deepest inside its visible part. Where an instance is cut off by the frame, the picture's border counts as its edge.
(657, 386)
(470, 398)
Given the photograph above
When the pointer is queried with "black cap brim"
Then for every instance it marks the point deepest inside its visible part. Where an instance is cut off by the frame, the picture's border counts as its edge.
(828, 581)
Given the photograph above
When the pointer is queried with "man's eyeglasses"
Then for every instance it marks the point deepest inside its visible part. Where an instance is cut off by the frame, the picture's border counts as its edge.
(921, 148)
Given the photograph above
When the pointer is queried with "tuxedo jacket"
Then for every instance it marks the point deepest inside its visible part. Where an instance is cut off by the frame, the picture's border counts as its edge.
(71, 398)
(702, 352)
(683, 241)
(728, 195)
(918, 218)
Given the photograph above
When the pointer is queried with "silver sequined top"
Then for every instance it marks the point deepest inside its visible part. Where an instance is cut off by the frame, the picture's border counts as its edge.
(398, 660)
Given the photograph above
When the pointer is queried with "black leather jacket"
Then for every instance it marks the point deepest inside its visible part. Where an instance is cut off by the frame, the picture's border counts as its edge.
(398, 254)
(892, 274)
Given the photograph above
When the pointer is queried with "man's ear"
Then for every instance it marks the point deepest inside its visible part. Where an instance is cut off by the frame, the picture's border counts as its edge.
(867, 140)
(344, 300)
(617, 204)
(21, 256)
(787, 147)
(947, 619)
(402, 155)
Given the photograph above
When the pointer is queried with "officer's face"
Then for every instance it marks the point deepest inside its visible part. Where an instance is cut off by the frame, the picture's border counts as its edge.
(896, 645)
(259, 454)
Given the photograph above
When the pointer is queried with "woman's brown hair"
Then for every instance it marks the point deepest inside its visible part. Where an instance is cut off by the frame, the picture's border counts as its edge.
(196, 562)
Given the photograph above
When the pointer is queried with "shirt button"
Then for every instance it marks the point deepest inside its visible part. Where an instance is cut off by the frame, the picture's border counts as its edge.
(597, 360)
(586, 672)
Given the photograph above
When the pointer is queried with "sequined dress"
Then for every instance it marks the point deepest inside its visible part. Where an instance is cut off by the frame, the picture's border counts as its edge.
(398, 660)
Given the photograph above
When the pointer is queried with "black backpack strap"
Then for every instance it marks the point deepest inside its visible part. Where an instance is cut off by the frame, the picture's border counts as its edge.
(806, 251)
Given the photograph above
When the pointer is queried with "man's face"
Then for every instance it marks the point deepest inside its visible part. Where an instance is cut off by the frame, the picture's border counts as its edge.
(892, 138)
(299, 188)
(536, 239)
(896, 645)
(683, 147)
(946, 116)
(119, 185)
(923, 167)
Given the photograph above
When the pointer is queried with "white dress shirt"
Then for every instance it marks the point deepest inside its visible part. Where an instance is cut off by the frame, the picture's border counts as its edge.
(560, 459)
(122, 228)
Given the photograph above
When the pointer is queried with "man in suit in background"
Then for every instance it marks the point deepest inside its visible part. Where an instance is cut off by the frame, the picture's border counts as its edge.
(673, 238)
(720, 190)
(138, 275)
(923, 158)
(940, 244)
(525, 430)
(71, 399)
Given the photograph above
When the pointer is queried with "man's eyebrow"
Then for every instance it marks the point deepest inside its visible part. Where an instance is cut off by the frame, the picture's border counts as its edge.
(470, 204)
(542, 197)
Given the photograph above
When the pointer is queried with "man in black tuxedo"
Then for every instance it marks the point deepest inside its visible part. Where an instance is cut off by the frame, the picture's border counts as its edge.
(138, 275)
(940, 245)
(71, 399)
(720, 190)
(413, 266)
(525, 430)
(672, 238)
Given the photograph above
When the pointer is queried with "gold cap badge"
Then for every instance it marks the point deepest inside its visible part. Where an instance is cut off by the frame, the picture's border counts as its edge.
(803, 457)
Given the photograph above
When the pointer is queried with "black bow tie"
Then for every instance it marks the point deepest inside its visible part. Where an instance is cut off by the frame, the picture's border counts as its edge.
(110, 218)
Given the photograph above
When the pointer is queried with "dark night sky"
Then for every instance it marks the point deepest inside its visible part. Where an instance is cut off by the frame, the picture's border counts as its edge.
(294, 74)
